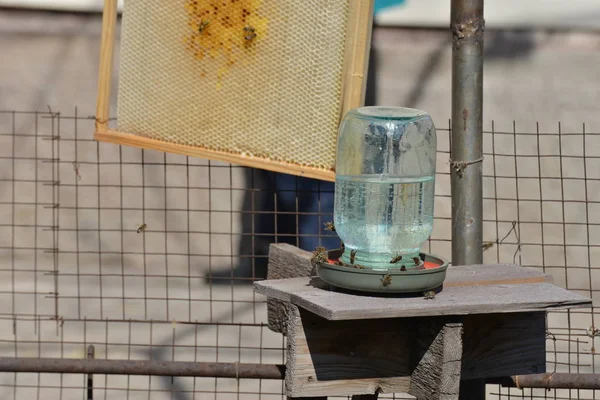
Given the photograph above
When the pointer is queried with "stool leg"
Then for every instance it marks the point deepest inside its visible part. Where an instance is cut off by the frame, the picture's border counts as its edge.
(437, 373)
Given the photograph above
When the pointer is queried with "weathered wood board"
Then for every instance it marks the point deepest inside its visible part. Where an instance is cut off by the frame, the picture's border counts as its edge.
(438, 371)
(314, 295)
(327, 358)
(503, 344)
(285, 261)
(422, 356)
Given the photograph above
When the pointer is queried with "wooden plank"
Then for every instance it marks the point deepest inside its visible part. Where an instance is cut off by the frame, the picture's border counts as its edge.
(493, 274)
(126, 139)
(506, 345)
(312, 294)
(515, 281)
(422, 356)
(109, 22)
(437, 373)
(356, 57)
(340, 358)
(285, 261)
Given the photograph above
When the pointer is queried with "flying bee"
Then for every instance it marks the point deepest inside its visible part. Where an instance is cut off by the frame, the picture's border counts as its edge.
(142, 228)
(430, 295)
(386, 280)
(487, 245)
(352, 256)
(203, 25)
(395, 259)
(76, 169)
(417, 260)
(329, 226)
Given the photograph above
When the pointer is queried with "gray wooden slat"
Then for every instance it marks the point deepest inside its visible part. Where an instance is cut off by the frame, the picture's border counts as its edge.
(285, 261)
(437, 374)
(423, 356)
(312, 294)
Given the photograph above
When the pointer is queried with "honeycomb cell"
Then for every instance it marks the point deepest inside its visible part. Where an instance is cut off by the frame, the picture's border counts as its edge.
(255, 77)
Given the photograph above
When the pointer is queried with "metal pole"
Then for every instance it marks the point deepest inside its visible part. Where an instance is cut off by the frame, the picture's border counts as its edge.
(552, 381)
(467, 145)
(154, 367)
(90, 378)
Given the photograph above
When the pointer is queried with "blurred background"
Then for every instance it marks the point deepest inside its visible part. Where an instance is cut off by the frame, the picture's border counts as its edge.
(541, 57)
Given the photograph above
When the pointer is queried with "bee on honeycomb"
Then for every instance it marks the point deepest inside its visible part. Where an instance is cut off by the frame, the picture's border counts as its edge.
(224, 30)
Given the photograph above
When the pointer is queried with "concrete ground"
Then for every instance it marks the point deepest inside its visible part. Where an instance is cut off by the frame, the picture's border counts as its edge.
(51, 60)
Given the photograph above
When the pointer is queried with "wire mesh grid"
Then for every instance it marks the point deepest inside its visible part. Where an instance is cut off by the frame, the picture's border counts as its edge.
(151, 256)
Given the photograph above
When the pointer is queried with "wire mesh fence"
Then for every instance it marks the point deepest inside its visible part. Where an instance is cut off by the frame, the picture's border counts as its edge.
(151, 256)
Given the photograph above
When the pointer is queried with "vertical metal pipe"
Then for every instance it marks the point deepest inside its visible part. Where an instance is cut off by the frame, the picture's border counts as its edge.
(467, 145)
(90, 378)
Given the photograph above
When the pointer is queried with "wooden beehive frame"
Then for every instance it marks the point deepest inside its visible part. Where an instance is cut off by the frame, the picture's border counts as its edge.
(353, 90)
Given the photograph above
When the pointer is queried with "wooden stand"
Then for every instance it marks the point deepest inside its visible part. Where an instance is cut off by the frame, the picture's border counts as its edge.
(488, 321)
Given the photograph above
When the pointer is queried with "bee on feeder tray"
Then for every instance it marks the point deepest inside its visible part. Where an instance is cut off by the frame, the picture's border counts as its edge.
(352, 256)
(203, 25)
(329, 226)
(403, 268)
(417, 260)
(142, 228)
(430, 295)
(343, 246)
(395, 259)
(340, 263)
(386, 280)
(319, 256)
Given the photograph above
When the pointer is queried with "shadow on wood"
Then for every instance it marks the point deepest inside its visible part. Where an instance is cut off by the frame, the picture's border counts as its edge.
(437, 371)
(426, 357)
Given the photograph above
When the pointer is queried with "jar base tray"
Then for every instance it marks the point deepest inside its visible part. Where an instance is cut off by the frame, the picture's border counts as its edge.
(390, 280)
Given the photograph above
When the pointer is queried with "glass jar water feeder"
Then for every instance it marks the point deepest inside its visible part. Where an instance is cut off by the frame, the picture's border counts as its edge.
(384, 201)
